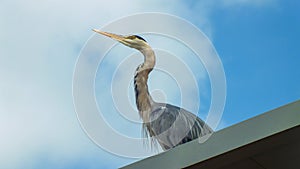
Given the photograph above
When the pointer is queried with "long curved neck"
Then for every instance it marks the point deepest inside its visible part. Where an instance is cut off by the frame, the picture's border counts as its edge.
(142, 96)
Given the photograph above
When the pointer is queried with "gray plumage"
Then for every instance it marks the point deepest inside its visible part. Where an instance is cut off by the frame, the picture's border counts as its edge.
(169, 125)
(172, 126)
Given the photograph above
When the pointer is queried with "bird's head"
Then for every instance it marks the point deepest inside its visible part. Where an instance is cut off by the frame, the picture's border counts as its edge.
(133, 41)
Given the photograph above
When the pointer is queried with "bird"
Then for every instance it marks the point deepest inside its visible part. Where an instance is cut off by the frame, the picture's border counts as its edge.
(167, 124)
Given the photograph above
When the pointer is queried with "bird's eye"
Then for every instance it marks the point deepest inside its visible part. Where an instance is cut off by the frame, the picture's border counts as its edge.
(131, 37)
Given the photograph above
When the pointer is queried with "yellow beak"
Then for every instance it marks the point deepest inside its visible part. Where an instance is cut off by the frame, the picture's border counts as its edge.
(111, 35)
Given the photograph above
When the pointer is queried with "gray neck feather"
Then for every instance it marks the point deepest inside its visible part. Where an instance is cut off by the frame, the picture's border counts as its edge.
(142, 96)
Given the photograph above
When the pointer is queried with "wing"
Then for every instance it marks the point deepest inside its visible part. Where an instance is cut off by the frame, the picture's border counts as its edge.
(173, 126)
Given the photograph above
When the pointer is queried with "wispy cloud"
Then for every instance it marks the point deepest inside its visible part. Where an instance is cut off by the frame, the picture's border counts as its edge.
(39, 45)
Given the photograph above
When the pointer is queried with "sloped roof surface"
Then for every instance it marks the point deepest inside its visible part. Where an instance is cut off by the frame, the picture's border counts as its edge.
(268, 141)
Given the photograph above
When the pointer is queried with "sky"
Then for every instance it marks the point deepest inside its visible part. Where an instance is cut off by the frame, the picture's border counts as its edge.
(40, 42)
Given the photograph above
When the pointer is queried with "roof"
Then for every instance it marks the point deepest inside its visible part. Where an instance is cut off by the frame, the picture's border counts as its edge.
(268, 141)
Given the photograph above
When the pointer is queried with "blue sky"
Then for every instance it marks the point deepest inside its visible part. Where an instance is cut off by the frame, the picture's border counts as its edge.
(257, 42)
(260, 55)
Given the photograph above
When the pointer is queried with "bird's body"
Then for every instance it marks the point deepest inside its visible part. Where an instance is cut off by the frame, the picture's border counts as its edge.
(168, 124)
(172, 126)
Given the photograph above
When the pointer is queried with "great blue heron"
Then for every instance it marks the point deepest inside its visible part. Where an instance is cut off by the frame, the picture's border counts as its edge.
(168, 124)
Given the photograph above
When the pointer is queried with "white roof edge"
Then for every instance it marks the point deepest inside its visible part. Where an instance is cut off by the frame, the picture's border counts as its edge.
(230, 138)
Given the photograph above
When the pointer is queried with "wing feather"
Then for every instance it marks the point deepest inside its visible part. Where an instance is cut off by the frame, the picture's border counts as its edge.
(172, 126)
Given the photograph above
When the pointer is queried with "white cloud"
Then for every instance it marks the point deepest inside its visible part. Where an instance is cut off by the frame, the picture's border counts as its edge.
(39, 44)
